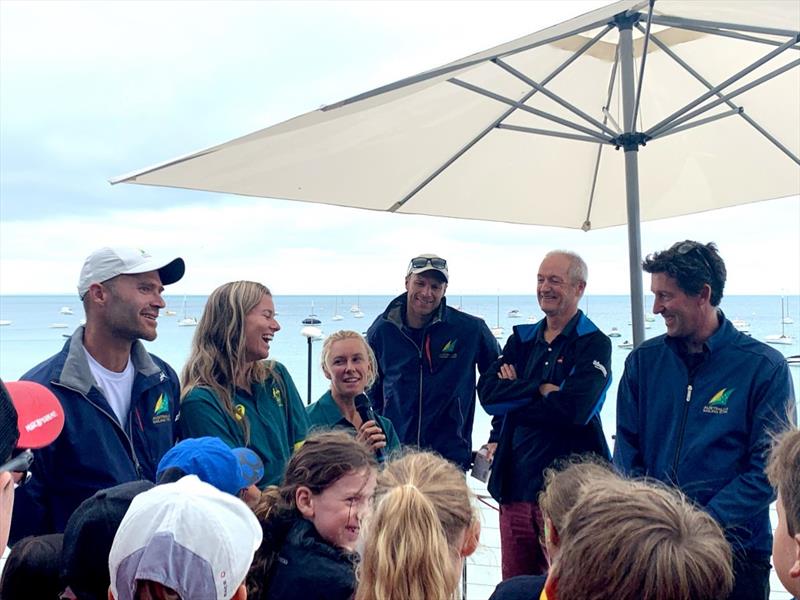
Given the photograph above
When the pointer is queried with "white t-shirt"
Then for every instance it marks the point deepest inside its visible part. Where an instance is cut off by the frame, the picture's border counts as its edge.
(116, 387)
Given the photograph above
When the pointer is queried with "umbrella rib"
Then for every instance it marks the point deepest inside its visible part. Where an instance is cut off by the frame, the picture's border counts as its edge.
(632, 124)
(399, 204)
(457, 67)
(534, 111)
(687, 23)
(724, 98)
(553, 96)
(587, 223)
(685, 126)
(559, 134)
(674, 56)
(732, 34)
(673, 118)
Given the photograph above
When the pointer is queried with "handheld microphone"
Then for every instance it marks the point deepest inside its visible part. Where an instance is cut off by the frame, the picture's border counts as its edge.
(367, 413)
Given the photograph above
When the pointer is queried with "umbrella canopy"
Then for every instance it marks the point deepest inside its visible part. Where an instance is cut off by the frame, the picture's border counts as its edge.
(700, 98)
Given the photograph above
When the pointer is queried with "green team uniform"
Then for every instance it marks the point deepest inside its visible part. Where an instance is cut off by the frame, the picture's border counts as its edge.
(265, 410)
(325, 413)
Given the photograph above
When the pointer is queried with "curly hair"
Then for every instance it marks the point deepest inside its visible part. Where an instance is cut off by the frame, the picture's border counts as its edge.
(631, 540)
(783, 471)
(692, 265)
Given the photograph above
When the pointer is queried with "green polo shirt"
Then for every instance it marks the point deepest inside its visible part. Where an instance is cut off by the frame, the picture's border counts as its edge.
(202, 414)
(325, 413)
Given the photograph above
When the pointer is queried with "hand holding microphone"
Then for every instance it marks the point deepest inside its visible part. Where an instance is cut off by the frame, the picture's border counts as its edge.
(370, 431)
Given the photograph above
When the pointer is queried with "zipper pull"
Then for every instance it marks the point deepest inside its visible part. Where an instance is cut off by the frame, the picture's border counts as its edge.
(688, 393)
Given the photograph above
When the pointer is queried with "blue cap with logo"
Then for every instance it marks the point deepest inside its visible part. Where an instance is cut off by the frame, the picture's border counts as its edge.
(213, 461)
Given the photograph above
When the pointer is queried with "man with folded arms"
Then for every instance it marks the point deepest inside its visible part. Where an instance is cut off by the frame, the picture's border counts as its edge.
(545, 393)
(120, 402)
(427, 353)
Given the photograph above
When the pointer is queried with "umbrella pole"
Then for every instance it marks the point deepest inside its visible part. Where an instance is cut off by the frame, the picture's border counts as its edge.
(631, 148)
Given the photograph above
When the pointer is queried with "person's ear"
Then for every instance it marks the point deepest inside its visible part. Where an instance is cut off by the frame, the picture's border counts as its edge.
(241, 593)
(794, 570)
(551, 533)
(304, 500)
(471, 539)
(326, 372)
(705, 293)
(550, 586)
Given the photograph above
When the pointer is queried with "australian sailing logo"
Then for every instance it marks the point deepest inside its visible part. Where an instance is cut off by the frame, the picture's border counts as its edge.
(276, 395)
(449, 350)
(161, 410)
(718, 405)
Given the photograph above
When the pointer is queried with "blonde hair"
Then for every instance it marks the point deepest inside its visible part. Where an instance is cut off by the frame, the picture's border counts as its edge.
(217, 359)
(783, 471)
(321, 461)
(564, 482)
(423, 508)
(346, 334)
(630, 540)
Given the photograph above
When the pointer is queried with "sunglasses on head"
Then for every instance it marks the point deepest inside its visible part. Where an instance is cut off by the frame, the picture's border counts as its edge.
(423, 261)
(686, 247)
(19, 466)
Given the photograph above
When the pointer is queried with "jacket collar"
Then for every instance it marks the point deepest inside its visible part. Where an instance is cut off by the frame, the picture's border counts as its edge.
(579, 324)
(396, 311)
(327, 405)
(723, 336)
(76, 373)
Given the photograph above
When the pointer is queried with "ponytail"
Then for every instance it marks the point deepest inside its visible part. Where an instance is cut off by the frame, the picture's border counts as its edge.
(415, 537)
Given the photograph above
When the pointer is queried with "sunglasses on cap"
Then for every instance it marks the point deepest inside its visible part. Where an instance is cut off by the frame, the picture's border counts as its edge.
(423, 261)
(685, 248)
(18, 466)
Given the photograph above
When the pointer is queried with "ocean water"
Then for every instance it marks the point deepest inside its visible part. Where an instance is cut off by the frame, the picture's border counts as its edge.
(30, 338)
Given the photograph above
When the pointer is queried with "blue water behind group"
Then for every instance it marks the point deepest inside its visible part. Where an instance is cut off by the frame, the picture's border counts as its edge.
(30, 339)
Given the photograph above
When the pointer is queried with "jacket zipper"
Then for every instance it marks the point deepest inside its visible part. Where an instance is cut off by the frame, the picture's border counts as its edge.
(114, 421)
(681, 432)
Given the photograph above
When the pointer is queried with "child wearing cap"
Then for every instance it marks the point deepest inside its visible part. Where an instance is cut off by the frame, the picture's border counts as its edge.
(232, 470)
(312, 522)
(185, 538)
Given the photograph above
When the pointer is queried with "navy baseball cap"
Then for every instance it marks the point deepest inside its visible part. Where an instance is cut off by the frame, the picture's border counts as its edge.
(213, 461)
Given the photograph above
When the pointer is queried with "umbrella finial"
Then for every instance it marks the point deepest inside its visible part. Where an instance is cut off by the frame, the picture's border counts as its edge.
(587, 225)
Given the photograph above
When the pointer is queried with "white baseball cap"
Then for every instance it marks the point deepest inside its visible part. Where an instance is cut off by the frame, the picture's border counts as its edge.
(106, 263)
(188, 536)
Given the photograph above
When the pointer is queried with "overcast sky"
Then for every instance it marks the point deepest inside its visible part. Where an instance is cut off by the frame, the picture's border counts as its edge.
(93, 90)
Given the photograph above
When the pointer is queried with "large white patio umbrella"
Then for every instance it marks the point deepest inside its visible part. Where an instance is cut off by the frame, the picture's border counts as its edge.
(700, 97)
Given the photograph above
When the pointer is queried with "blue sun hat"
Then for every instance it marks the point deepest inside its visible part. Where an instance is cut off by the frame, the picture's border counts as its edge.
(213, 461)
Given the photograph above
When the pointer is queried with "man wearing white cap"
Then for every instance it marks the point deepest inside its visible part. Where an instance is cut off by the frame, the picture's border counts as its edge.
(427, 353)
(120, 402)
(185, 539)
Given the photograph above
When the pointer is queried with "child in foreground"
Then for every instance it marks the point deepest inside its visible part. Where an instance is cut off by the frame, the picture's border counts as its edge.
(424, 525)
(630, 540)
(312, 522)
(783, 471)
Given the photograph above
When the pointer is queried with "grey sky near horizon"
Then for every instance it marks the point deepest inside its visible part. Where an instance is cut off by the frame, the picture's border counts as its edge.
(92, 90)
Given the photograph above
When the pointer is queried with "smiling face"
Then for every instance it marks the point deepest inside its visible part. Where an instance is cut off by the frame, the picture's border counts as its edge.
(425, 293)
(337, 512)
(260, 327)
(682, 313)
(130, 305)
(348, 367)
(558, 295)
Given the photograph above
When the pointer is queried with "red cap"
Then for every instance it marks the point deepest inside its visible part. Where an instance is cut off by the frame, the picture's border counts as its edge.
(40, 417)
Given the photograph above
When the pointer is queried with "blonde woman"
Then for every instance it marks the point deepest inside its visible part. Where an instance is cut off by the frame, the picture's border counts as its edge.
(230, 390)
(349, 363)
(424, 525)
